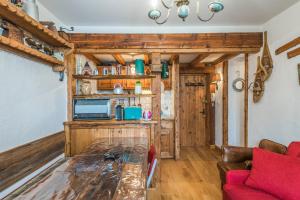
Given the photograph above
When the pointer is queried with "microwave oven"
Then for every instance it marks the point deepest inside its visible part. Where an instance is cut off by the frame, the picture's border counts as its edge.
(91, 109)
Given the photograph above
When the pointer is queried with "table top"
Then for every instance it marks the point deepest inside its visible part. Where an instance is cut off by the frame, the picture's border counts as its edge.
(107, 170)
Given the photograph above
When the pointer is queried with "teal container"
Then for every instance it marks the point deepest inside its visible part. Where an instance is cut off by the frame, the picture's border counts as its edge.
(165, 71)
(139, 67)
(132, 113)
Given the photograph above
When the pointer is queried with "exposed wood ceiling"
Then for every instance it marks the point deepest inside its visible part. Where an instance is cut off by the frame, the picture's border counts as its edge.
(195, 51)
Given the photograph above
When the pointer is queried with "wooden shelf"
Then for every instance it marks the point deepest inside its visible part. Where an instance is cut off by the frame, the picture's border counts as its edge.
(112, 96)
(15, 15)
(19, 48)
(109, 77)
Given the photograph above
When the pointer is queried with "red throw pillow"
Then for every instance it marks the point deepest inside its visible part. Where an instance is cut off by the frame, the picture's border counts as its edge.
(275, 174)
(294, 149)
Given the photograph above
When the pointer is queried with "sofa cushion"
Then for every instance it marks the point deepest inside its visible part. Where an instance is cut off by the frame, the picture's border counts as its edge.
(242, 192)
(294, 149)
(275, 174)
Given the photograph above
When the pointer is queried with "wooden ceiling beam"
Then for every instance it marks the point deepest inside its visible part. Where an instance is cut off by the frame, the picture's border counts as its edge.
(167, 41)
(294, 53)
(288, 46)
(146, 59)
(172, 58)
(92, 58)
(198, 59)
(118, 57)
(223, 58)
(229, 50)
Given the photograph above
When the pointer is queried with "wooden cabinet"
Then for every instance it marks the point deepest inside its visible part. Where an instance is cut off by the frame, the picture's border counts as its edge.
(167, 139)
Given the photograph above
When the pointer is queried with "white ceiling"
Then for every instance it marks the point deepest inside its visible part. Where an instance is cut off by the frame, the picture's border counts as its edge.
(135, 12)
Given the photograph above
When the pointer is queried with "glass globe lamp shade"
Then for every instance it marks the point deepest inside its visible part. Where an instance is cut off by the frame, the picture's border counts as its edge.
(183, 11)
(154, 14)
(215, 7)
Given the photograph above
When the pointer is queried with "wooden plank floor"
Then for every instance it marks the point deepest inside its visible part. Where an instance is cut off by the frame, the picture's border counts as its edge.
(193, 177)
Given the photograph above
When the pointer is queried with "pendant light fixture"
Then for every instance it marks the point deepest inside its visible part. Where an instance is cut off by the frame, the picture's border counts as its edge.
(183, 9)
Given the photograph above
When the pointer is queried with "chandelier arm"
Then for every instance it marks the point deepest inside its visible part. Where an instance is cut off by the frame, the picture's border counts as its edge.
(205, 20)
(166, 6)
(165, 20)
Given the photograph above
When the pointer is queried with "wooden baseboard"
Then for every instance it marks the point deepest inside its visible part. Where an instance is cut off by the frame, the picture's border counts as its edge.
(21, 161)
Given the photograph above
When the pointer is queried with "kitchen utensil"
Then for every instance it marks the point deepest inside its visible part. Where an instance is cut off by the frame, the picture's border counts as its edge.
(118, 89)
(119, 112)
(139, 67)
(132, 113)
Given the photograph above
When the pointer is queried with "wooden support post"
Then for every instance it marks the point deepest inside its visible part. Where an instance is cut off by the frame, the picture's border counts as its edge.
(246, 100)
(70, 63)
(175, 85)
(156, 108)
(210, 119)
(225, 103)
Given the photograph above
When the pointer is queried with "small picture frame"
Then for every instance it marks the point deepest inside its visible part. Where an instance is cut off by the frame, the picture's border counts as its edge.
(299, 72)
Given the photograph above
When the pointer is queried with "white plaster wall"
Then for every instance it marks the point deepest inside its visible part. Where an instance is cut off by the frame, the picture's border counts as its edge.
(235, 103)
(277, 115)
(219, 110)
(32, 99)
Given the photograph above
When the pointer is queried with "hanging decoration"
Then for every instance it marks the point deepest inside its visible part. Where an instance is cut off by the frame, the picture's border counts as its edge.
(259, 81)
(266, 59)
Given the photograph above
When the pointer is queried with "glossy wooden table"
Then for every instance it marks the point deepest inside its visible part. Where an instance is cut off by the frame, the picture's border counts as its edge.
(106, 170)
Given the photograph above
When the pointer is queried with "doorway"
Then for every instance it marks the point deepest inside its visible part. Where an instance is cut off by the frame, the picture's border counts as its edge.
(193, 113)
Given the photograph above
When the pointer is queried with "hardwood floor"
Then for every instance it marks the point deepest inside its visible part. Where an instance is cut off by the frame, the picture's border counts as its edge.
(193, 177)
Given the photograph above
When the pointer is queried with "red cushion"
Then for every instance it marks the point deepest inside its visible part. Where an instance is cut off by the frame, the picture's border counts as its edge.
(242, 192)
(294, 149)
(276, 174)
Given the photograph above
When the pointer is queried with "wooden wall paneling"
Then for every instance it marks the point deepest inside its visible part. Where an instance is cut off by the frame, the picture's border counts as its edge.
(225, 103)
(84, 137)
(70, 63)
(19, 162)
(156, 109)
(246, 97)
(176, 88)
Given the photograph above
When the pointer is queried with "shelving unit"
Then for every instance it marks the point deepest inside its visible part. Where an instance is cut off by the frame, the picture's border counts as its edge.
(106, 77)
(120, 96)
(19, 48)
(14, 14)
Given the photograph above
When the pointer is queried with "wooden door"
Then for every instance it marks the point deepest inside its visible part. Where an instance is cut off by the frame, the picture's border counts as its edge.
(192, 110)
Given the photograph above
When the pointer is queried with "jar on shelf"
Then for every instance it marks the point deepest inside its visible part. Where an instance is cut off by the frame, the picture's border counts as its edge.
(138, 87)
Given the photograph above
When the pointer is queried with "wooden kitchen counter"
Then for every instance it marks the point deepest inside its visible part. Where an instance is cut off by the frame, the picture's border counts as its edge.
(81, 134)
(109, 122)
(107, 169)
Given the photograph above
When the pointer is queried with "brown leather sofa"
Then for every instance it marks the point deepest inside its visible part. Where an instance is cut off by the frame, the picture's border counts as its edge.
(234, 158)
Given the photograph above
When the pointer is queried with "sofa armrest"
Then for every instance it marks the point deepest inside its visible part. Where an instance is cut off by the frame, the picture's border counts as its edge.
(237, 177)
(236, 154)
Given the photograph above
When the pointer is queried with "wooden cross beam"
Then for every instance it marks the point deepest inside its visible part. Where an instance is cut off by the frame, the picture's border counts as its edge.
(92, 58)
(224, 58)
(119, 59)
(288, 46)
(198, 59)
(294, 53)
